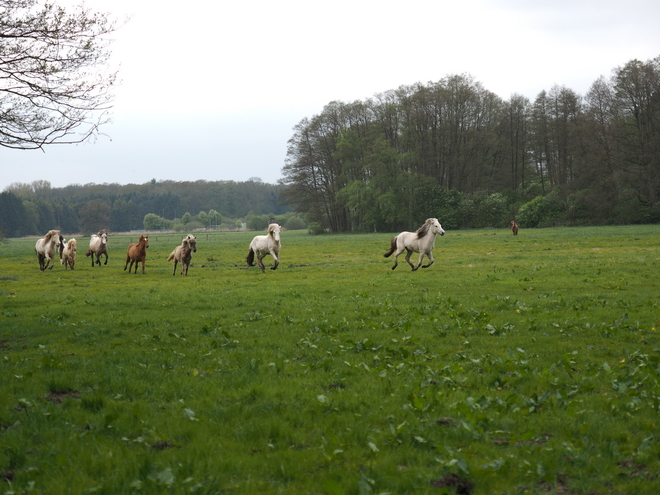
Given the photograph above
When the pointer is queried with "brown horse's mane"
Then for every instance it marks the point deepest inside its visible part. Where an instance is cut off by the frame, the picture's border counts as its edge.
(423, 230)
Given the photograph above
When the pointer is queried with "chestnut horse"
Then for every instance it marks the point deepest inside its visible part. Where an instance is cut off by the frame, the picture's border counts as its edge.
(514, 227)
(137, 252)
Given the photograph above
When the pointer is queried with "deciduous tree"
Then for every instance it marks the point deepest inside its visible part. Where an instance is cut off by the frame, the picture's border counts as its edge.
(55, 85)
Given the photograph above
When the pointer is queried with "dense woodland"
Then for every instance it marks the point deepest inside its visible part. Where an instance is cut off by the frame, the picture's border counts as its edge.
(35, 208)
(449, 149)
(454, 150)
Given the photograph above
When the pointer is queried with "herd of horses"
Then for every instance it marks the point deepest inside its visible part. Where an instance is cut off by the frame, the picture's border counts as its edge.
(421, 241)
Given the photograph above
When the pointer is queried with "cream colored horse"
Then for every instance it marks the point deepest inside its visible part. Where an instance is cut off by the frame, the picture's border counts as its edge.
(69, 254)
(422, 241)
(45, 248)
(263, 245)
(98, 245)
(183, 254)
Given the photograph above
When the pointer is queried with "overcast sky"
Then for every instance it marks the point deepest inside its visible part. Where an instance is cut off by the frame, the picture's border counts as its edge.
(212, 90)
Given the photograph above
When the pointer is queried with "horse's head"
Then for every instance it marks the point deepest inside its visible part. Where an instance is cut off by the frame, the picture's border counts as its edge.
(192, 242)
(72, 245)
(274, 231)
(436, 228)
(104, 238)
(144, 239)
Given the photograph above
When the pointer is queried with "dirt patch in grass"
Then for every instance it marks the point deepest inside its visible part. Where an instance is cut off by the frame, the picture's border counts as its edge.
(58, 396)
(454, 482)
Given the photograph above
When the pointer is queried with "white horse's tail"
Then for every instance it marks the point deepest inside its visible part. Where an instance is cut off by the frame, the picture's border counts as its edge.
(171, 256)
(250, 257)
(392, 247)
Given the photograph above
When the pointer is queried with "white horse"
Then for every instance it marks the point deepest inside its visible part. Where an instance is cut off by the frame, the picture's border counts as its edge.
(422, 241)
(69, 254)
(263, 245)
(98, 245)
(45, 248)
(183, 254)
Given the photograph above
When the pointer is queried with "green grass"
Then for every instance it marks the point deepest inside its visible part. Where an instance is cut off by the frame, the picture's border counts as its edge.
(523, 364)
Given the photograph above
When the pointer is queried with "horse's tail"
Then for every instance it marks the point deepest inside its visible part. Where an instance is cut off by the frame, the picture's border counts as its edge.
(392, 247)
(171, 256)
(250, 257)
(89, 253)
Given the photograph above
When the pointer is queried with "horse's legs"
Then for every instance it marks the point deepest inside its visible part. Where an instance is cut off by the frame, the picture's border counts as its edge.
(126, 264)
(174, 270)
(144, 261)
(260, 262)
(408, 255)
(276, 261)
(106, 259)
(431, 260)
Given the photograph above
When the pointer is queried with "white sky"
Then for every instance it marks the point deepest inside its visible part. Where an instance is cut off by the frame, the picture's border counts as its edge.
(212, 90)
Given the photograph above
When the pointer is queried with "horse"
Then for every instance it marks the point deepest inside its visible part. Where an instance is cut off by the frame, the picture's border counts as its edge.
(183, 254)
(422, 241)
(263, 245)
(98, 245)
(45, 248)
(137, 252)
(69, 254)
(514, 227)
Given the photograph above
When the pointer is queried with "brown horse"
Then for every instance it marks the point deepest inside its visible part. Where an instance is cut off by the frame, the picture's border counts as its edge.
(137, 252)
(514, 227)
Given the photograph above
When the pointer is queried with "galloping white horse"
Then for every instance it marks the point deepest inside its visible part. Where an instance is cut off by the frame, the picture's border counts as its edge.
(69, 254)
(183, 254)
(263, 245)
(45, 248)
(98, 245)
(422, 241)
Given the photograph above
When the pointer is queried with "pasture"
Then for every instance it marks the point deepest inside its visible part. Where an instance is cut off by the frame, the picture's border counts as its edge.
(514, 364)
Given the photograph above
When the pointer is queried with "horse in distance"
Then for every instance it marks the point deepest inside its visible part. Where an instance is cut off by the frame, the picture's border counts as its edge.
(263, 245)
(98, 245)
(183, 254)
(45, 248)
(136, 253)
(69, 254)
(514, 227)
(421, 241)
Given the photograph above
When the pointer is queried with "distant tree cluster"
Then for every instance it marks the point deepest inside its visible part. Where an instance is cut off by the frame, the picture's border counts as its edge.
(35, 208)
(454, 150)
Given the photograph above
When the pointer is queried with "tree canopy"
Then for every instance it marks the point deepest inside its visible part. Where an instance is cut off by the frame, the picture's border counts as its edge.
(55, 85)
(452, 148)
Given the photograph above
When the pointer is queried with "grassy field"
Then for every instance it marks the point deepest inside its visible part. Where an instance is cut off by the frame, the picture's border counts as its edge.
(525, 364)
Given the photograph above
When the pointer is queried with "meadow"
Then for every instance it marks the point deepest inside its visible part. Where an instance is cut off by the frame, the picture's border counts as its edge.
(513, 365)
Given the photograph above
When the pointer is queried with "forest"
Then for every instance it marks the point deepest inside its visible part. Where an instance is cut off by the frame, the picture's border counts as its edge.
(36, 208)
(451, 149)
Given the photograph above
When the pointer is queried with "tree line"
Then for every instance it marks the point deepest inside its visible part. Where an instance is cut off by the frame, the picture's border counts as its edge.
(36, 208)
(454, 150)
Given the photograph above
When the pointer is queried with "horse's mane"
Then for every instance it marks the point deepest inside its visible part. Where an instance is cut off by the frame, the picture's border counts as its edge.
(50, 235)
(423, 230)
